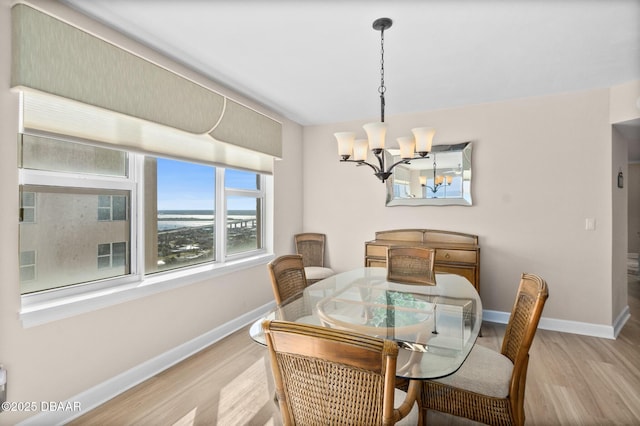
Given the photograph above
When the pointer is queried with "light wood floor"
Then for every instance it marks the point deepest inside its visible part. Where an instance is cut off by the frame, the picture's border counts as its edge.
(572, 380)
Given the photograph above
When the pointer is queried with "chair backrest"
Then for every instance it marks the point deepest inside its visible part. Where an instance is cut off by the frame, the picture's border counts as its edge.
(411, 265)
(330, 376)
(287, 277)
(521, 328)
(310, 246)
(525, 316)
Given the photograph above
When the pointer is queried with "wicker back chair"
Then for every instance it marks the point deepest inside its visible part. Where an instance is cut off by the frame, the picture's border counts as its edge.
(287, 277)
(330, 376)
(411, 265)
(489, 387)
(310, 246)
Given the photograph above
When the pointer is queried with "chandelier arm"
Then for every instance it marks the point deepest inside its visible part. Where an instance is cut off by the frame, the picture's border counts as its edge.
(379, 154)
(437, 186)
(361, 163)
(398, 163)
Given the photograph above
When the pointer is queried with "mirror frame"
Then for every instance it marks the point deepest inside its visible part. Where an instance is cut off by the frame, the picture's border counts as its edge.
(465, 200)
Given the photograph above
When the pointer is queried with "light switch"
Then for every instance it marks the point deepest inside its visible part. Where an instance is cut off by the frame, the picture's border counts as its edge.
(590, 224)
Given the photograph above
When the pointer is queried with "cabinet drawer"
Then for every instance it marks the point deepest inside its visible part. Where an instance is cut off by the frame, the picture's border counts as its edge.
(376, 263)
(376, 251)
(467, 272)
(457, 256)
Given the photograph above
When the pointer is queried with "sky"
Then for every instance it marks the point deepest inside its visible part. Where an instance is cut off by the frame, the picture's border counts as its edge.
(189, 186)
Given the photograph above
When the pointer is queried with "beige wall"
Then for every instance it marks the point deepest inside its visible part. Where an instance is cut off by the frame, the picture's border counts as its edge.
(541, 166)
(624, 102)
(58, 360)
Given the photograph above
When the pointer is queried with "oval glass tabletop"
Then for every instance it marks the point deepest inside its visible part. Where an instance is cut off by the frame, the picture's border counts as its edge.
(435, 325)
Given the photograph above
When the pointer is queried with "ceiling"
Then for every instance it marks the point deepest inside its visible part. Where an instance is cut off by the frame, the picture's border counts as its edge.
(318, 61)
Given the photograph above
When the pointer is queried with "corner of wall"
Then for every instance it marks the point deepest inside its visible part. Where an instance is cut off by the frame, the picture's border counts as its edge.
(624, 102)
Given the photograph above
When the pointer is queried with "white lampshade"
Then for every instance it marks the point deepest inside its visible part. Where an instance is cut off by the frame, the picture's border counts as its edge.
(376, 133)
(407, 147)
(345, 143)
(360, 148)
(424, 138)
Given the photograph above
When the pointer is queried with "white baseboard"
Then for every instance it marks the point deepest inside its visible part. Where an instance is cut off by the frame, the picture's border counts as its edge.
(565, 326)
(111, 388)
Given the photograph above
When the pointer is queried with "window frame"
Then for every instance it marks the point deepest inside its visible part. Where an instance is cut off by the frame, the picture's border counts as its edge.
(49, 305)
(258, 193)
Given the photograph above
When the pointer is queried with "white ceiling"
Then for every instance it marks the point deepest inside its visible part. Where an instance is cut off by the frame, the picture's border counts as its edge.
(319, 61)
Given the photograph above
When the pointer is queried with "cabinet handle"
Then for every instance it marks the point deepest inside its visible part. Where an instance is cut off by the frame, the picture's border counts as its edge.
(447, 256)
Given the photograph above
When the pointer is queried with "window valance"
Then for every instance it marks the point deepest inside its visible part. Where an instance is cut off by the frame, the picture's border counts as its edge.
(83, 86)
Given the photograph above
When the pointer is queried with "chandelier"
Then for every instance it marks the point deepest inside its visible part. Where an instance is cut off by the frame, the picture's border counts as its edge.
(355, 150)
(438, 180)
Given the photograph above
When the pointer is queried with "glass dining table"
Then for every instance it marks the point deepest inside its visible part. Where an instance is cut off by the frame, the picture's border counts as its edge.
(435, 326)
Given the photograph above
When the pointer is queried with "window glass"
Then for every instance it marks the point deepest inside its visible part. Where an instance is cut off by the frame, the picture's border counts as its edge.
(68, 235)
(244, 213)
(239, 179)
(118, 254)
(62, 156)
(242, 224)
(118, 207)
(181, 220)
(104, 256)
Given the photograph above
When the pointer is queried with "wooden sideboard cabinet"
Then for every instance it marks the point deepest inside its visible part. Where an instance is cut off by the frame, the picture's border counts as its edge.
(456, 253)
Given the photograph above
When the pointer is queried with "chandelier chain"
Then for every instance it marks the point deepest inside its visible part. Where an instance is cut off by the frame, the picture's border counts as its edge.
(382, 87)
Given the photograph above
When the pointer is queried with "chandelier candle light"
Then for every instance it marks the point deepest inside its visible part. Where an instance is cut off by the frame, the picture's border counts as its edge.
(438, 181)
(355, 150)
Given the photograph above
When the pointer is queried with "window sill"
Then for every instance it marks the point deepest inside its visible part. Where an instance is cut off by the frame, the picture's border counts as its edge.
(33, 314)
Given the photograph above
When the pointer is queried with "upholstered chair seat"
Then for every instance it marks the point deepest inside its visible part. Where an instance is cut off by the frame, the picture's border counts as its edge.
(485, 371)
(317, 273)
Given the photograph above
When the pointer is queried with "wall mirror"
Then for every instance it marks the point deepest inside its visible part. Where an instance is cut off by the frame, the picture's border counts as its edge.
(444, 178)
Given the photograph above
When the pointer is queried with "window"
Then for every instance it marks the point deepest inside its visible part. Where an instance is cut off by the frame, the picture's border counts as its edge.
(183, 216)
(27, 207)
(107, 217)
(27, 266)
(243, 211)
(112, 255)
(112, 207)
